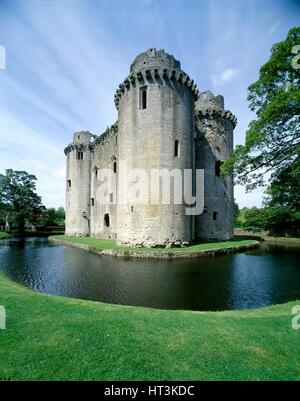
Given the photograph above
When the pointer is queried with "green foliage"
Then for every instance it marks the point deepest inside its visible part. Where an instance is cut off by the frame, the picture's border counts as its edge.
(19, 201)
(236, 212)
(256, 219)
(277, 220)
(273, 139)
(52, 217)
(284, 190)
(4, 235)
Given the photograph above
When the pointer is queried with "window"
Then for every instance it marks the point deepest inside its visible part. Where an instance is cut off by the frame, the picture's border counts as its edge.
(106, 220)
(93, 201)
(115, 166)
(111, 197)
(143, 97)
(96, 172)
(176, 148)
(218, 166)
(79, 155)
(69, 183)
(131, 208)
(215, 215)
(78, 137)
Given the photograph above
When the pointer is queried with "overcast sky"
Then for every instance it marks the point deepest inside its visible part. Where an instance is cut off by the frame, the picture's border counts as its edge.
(65, 59)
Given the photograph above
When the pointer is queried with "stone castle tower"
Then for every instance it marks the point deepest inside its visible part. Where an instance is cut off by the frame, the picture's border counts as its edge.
(214, 132)
(164, 124)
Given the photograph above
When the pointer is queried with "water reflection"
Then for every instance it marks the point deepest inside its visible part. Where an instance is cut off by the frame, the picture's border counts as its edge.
(261, 277)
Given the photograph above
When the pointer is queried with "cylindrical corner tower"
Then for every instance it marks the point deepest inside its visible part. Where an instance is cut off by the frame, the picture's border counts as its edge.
(214, 143)
(79, 155)
(156, 132)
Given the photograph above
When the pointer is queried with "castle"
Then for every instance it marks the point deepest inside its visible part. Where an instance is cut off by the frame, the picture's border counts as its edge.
(164, 122)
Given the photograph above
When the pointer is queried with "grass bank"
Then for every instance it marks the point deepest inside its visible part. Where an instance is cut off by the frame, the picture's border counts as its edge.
(65, 339)
(263, 235)
(4, 235)
(110, 247)
(283, 240)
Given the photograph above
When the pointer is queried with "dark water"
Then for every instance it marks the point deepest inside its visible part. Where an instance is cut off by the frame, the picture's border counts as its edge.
(256, 278)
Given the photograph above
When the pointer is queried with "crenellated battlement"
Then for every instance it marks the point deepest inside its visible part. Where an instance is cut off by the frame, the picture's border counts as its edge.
(82, 140)
(110, 131)
(212, 106)
(213, 113)
(164, 123)
(155, 66)
(154, 59)
(76, 145)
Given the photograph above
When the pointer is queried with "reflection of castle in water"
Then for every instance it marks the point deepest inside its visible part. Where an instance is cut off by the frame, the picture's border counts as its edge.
(163, 123)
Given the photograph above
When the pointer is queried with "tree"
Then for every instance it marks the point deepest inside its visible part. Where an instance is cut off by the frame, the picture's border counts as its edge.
(256, 219)
(273, 139)
(60, 216)
(277, 220)
(284, 190)
(18, 197)
(52, 217)
(236, 212)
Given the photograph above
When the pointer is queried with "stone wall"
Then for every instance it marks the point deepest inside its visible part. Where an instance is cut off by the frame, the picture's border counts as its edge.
(104, 156)
(144, 138)
(78, 174)
(214, 128)
(147, 141)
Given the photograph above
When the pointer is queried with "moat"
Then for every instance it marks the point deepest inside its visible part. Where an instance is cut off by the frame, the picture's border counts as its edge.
(256, 278)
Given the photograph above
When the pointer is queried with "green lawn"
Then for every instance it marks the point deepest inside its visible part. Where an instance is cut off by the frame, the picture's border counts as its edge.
(59, 338)
(99, 244)
(4, 235)
(283, 240)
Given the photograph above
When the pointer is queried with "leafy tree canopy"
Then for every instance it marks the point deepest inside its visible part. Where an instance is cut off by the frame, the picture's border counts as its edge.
(18, 198)
(273, 139)
(52, 217)
(284, 189)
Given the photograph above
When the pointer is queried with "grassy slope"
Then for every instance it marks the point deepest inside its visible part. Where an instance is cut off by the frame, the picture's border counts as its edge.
(99, 243)
(58, 338)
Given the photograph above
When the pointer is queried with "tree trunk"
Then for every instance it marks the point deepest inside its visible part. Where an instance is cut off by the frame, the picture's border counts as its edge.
(21, 226)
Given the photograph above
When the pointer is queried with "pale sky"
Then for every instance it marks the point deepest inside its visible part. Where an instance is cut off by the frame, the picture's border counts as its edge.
(65, 59)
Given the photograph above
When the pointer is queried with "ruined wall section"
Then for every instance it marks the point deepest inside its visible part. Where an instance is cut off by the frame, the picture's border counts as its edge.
(214, 129)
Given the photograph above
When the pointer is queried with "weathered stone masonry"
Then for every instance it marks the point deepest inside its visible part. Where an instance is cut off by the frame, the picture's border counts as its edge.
(160, 111)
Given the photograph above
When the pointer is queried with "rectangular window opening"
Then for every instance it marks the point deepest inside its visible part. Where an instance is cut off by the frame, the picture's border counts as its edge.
(111, 197)
(176, 148)
(218, 166)
(79, 155)
(143, 97)
(69, 183)
(93, 201)
(215, 215)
